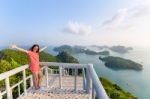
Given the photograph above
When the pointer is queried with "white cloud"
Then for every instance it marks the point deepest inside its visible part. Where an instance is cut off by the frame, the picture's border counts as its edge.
(146, 1)
(126, 18)
(127, 26)
(77, 28)
(116, 20)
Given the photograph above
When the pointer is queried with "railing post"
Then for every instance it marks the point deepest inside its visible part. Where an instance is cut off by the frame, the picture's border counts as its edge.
(75, 80)
(72, 71)
(24, 82)
(19, 90)
(51, 71)
(93, 91)
(62, 71)
(46, 76)
(0, 95)
(68, 71)
(60, 77)
(84, 79)
(11, 94)
(88, 80)
(31, 81)
(8, 88)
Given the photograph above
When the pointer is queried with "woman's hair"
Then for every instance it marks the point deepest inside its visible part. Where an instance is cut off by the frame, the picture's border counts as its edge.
(35, 45)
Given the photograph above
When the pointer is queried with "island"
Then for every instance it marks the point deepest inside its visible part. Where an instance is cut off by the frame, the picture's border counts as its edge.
(69, 49)
(90, 52)
(120, 49)
(100, 47)
(79, 49)
(118, 63)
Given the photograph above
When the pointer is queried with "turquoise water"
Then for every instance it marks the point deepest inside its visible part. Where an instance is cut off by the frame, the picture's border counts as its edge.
(138, 83)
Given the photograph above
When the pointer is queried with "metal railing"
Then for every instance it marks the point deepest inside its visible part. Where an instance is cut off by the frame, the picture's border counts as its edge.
(91, 83)
(6, 75)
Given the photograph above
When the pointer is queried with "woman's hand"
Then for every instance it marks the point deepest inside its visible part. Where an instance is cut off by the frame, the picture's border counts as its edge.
(46, 46)
(13, 46)
(43, 48)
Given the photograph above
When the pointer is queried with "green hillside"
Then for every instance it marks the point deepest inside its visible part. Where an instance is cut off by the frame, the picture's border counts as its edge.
(114, 91)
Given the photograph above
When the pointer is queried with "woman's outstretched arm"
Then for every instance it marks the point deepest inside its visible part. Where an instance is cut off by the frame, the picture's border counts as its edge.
(43, 49)
(18, 48)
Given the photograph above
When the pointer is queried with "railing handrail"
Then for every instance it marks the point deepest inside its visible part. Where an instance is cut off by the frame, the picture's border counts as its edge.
(67, 65)
(101, 93)
(13, 71)
(91, 78)
(21, 68)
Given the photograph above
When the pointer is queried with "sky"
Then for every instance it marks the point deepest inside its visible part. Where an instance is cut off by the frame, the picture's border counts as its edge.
(75, 22)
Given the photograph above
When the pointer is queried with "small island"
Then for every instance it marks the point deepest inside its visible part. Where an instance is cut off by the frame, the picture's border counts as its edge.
(69, 49)
(100, 47)
(90, 52)
(120, 49)
(79, 49)
(118, 63)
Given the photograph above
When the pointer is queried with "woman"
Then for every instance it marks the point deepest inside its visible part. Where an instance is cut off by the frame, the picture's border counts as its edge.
(33, 54)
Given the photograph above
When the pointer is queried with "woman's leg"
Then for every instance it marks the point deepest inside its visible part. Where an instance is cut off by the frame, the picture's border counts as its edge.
(40, 77)
(35, 79)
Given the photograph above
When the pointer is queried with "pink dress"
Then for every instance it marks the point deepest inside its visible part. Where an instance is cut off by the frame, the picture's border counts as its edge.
(34, 61)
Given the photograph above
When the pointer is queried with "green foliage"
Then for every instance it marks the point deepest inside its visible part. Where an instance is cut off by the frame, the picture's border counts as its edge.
(22, 58)
(114, 91)
(6, 64)
(10, 59)
(66, 58)
(47, 57)
(18, 56)
(66, 48)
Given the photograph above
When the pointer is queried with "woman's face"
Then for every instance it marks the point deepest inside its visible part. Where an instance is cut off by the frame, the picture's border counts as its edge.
(35, 49)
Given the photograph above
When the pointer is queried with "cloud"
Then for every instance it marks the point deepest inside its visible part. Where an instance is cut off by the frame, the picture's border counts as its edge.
(126, 18)
(77, 28)
(128, 25)
(147, 2)
(117, 18)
